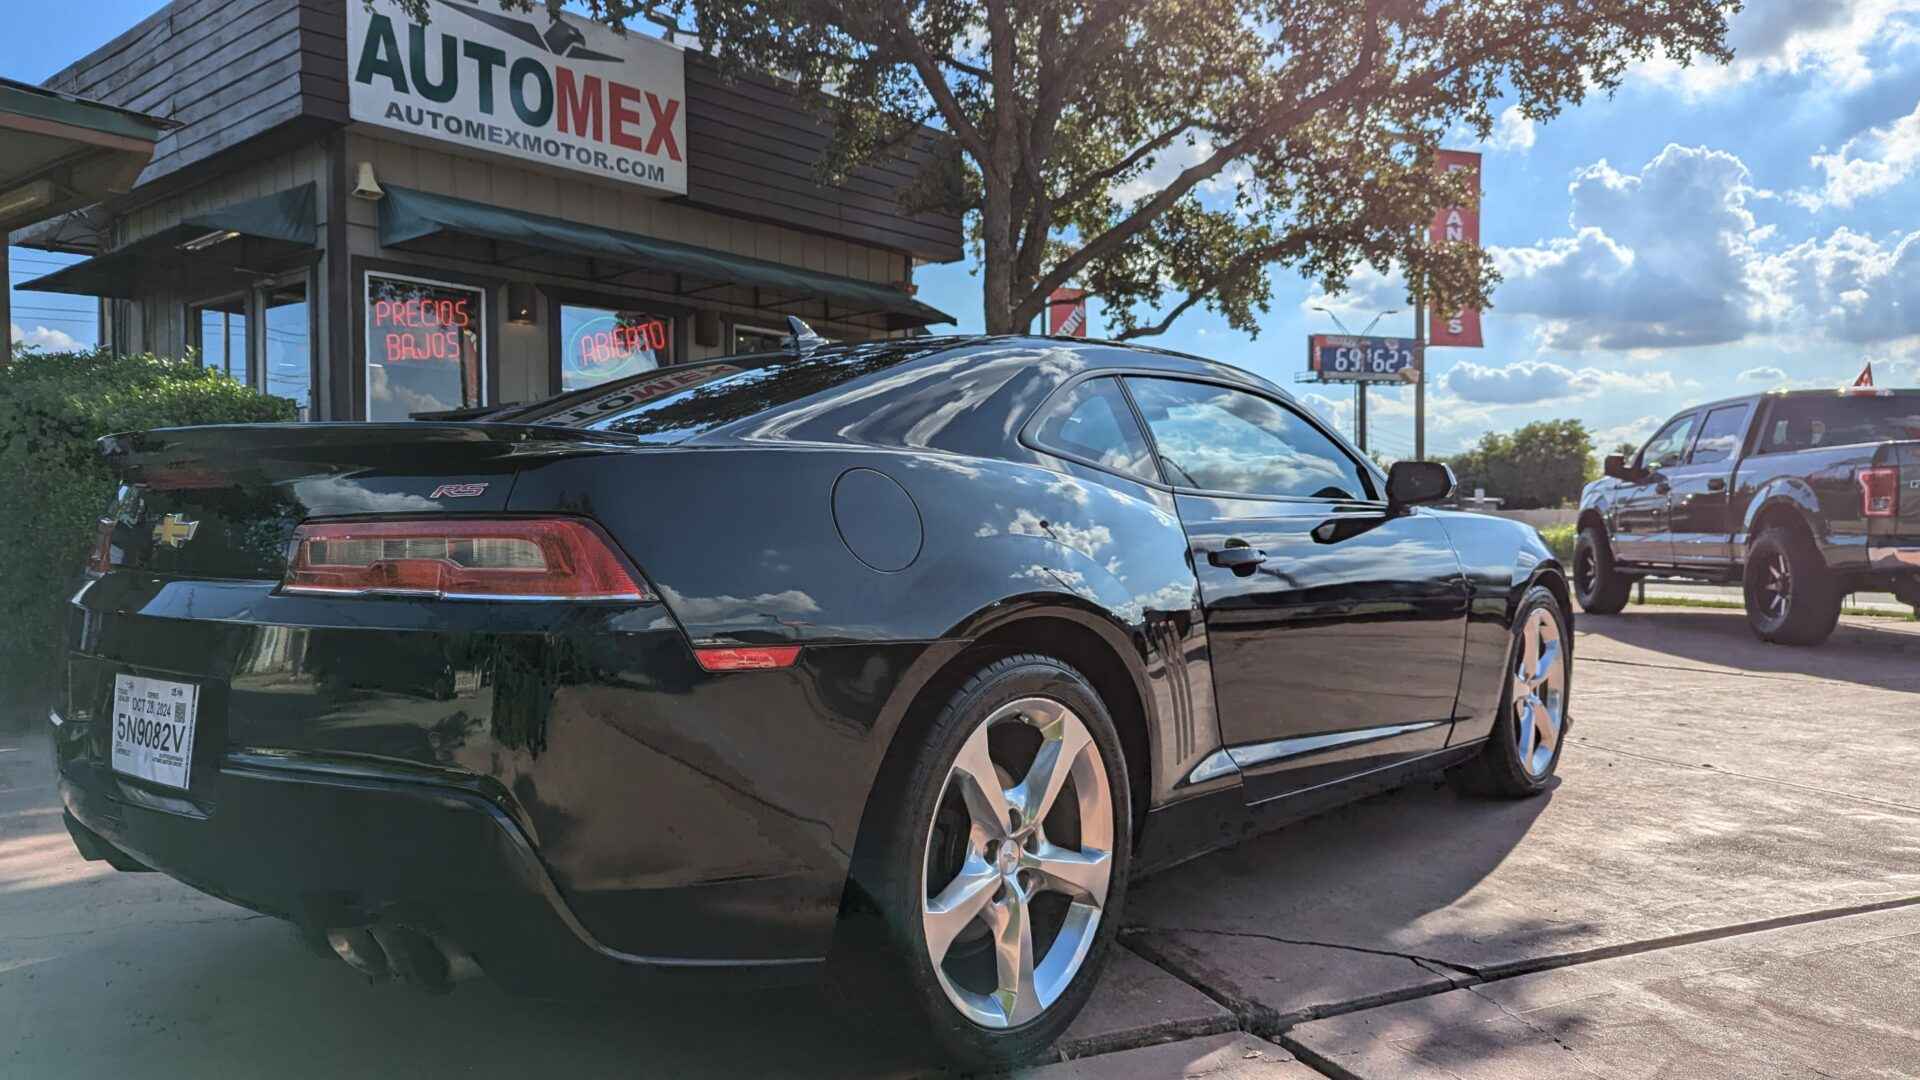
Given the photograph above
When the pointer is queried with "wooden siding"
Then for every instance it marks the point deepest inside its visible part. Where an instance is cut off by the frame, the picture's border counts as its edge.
(225, 70)
(231, 71)
(751, 150)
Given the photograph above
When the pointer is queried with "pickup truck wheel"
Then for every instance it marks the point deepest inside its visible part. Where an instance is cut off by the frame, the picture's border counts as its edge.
(1791, 598)
(1600, 587)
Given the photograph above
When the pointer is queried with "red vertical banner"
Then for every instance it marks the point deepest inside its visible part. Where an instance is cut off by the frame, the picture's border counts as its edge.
(1067, 312)
(1456, 225)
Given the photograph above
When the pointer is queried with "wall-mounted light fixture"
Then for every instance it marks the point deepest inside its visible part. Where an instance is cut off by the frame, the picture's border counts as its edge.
(520, 304)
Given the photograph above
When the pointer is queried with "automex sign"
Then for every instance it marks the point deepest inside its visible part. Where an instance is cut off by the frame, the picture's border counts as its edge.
(553, 91)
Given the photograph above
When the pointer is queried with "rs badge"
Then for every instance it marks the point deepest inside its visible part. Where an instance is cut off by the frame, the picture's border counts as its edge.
(458, 491)
(174, 530)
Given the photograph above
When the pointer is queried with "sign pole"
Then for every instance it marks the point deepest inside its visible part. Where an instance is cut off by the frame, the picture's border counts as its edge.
(1420, 381)
(1360, 415)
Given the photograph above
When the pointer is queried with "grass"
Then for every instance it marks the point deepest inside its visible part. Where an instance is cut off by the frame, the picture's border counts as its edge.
(1559, 539)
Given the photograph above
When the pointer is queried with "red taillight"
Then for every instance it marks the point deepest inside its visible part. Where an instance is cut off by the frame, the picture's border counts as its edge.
(751, 658)
(504, 559)
(1880, 491)
(100, 560)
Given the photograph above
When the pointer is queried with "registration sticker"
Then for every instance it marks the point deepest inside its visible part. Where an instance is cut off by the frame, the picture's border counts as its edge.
(153, 728)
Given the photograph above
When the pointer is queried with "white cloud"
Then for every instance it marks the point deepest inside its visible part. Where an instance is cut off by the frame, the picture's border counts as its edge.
(1767, 374)
(1852, 286)
(1867, 164)
(41, 337)
(1635, 432)
(1659, 257)
(1829, 39)
(1526, 382)
(1512, 131)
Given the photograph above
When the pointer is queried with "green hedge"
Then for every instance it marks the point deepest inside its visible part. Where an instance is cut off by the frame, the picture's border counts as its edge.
(53, 484)
(1560, 539)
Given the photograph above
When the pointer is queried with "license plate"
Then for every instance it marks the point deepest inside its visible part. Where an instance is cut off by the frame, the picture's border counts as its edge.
(153, 728)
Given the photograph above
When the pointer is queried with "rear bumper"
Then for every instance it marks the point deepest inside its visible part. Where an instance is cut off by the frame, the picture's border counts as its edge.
(326, 846)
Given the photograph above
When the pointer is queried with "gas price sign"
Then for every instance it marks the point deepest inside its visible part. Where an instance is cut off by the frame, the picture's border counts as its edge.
(1343, 358)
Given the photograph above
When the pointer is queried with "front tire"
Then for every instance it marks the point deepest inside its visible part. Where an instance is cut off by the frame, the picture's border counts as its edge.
(1599, 585)
(1529, 732)
(1791, 598)
(998, 861)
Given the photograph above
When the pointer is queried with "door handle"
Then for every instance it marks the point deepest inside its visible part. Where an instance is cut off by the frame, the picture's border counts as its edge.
(1237, 557)
(1716, 484)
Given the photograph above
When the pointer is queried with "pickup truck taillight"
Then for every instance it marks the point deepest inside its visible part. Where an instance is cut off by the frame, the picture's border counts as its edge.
(453, 559)
(1880, 491)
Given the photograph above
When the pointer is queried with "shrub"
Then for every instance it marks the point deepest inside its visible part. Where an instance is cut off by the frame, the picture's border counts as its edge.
(1560, 539)
(53, 483)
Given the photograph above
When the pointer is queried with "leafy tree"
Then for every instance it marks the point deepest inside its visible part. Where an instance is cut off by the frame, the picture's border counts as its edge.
(1088, 131)
(1543, 464)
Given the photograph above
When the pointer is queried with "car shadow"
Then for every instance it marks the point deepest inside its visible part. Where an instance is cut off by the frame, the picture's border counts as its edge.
(1881, 653)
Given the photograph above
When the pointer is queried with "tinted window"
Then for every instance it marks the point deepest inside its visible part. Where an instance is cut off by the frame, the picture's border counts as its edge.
(677, 403)
(1719, 435)
(1668, 448)
(1218, 439)
(1803, 423)
(1093, 422)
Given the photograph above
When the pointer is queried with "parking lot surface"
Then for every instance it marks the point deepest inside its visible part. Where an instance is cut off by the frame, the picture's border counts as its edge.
(1724, 882)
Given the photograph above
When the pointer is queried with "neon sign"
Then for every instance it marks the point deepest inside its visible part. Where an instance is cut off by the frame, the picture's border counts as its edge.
(426, 326)
(599, 345)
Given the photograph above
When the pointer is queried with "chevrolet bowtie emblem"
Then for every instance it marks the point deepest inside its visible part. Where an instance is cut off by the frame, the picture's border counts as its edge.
(174, 530)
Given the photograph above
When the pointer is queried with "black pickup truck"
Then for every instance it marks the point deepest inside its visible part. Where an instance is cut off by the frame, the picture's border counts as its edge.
(1801, 497)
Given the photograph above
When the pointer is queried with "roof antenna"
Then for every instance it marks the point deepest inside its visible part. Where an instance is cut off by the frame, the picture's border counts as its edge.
(802, 339)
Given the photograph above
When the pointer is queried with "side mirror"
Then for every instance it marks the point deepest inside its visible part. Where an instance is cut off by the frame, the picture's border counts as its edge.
(1616, 467)
(1410, 483)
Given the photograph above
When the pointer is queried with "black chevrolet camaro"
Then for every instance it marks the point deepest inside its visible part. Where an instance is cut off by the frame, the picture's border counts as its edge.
(903, 656)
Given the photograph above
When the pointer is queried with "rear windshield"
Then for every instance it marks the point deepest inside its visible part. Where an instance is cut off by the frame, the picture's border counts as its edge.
(678, 403)
(1806, 423)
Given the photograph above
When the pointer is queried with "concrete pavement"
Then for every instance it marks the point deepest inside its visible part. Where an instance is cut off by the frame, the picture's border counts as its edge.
(1724, 865)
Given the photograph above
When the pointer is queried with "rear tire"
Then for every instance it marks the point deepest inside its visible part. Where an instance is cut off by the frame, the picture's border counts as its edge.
(1597, 583)
(1530, 729)
(1791, 598)
(939, 843)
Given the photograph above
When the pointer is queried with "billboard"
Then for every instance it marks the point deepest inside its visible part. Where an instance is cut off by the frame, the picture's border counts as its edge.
(1067, 312)
(1456, 225)
(1346, 358)
(558, 92)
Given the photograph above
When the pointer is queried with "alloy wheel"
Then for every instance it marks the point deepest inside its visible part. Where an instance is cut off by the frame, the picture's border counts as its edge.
(1539, 692)
(1017, 871)
(1583, 570)
(1776, 586)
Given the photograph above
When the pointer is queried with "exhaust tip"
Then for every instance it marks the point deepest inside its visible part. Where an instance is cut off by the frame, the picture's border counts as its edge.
(360, 950)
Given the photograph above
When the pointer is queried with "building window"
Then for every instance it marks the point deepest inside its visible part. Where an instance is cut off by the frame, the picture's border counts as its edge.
(600, 343)
(424, 347)
(218, 330)
(757, 339)
(288, 350)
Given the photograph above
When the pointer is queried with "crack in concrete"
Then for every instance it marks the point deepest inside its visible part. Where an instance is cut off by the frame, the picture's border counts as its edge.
(1522, 1020)
(1427, 962)
(1697, 767)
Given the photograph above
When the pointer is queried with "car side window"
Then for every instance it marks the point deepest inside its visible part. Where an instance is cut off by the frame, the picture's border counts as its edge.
(1219, 439)
(1093, 422)
(1668, 448)
(1719, 435)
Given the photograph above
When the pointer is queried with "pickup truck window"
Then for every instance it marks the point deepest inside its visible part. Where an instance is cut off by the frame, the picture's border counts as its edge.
(1719, 435)
(1803, 423)
(1669, 448)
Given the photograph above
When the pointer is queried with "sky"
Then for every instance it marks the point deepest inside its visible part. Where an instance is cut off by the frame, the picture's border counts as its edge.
(1703, 232)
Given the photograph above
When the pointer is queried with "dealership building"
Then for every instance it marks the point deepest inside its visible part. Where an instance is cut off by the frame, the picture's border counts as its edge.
(380, 218)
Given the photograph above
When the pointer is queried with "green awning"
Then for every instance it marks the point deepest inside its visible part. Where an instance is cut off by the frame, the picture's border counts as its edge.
(445, 225)
(59, 152)
(211, 251)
